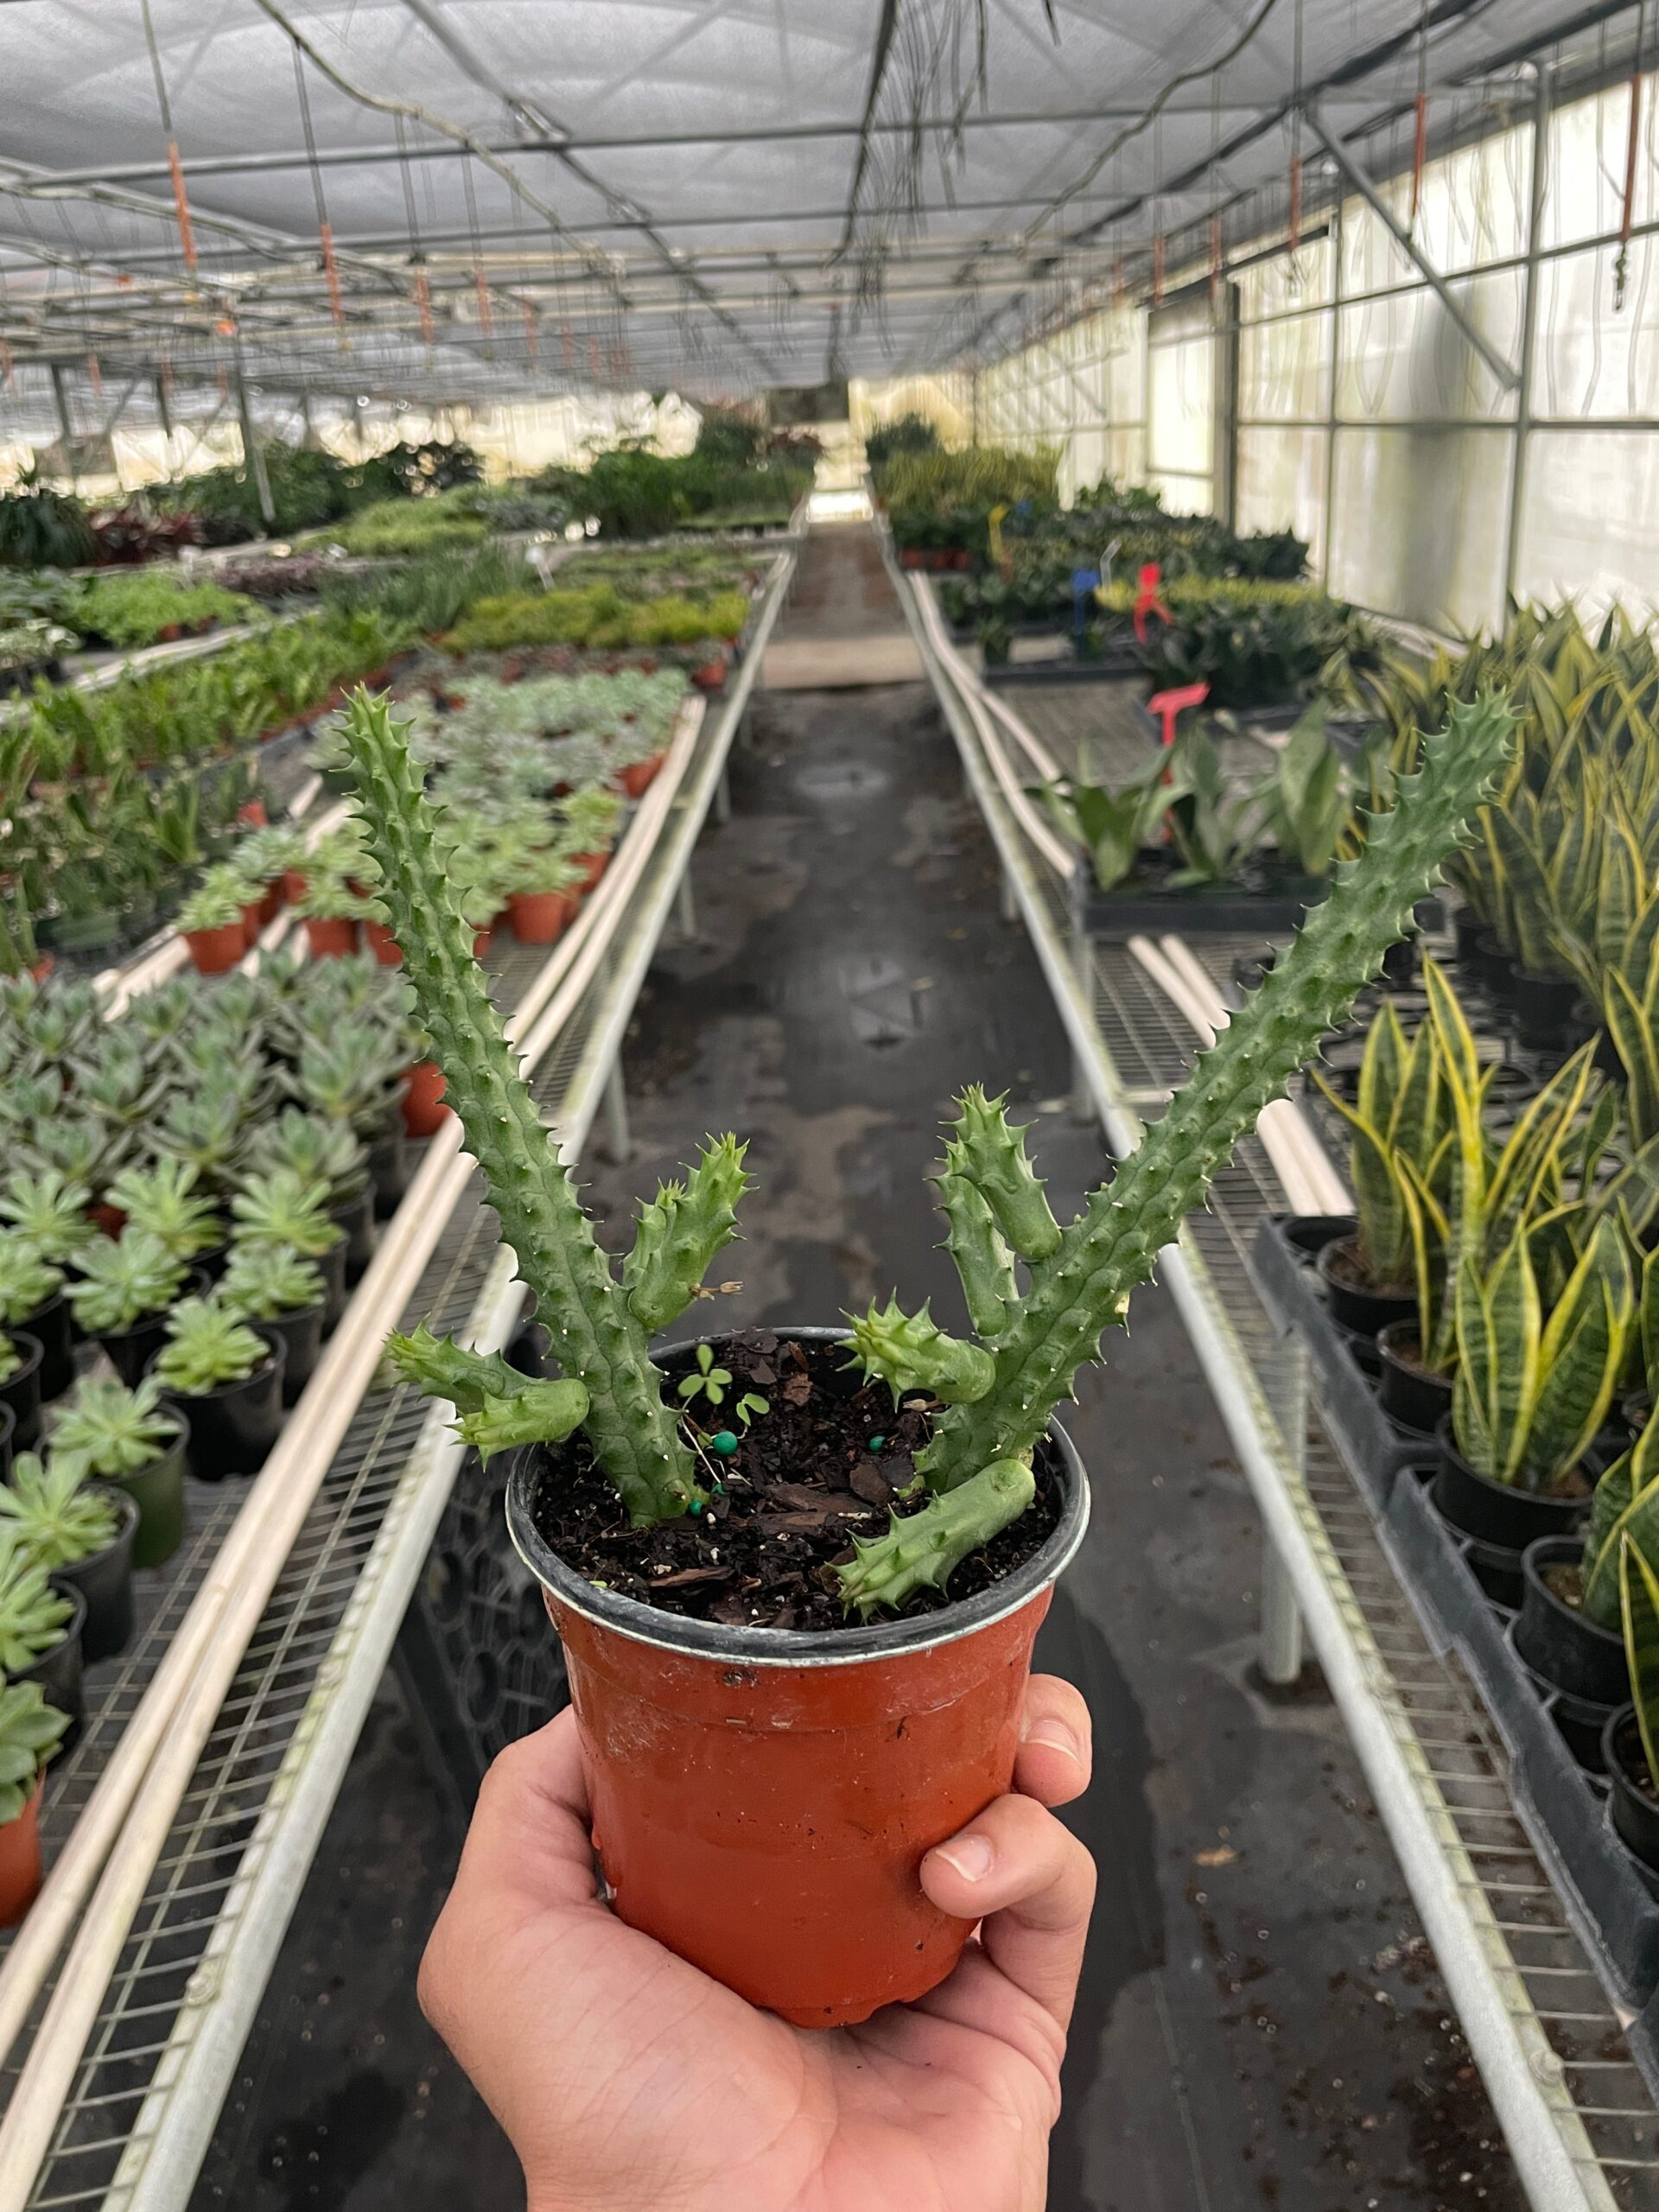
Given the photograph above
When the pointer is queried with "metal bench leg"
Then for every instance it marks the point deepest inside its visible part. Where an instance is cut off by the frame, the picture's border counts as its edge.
(686, 911)
(1281, 1624)
(723, 796)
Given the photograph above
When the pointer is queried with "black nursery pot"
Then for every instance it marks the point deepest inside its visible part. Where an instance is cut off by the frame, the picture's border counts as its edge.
(1494, 967)
(330, 1266)
(301, 1333)
(1498, 1513)
(1544, 1005)
(1363, 1311)
(59, 1670)
(131, 1351)
(1400, 961)
(1467, 928)
(104, 1581)
(51, 1328)
(391, 1164)
(233, 1429)
(1635, 1812)
(157, 1490)
(1409, 1394)
(21, 1395)
(8, 1424)
(1558, 1642)
(355, 1216)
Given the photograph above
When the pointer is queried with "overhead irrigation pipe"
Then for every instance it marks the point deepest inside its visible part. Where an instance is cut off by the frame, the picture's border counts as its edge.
(158, 1749)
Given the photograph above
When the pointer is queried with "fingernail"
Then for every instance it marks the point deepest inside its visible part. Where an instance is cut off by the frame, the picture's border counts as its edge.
(1056, 1737)
(971, 1856)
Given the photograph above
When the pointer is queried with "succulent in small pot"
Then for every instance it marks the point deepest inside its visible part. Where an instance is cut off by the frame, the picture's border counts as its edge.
(282, 1210)
(82, 1534)
(122, 1294)
(49, 1211)
(272, 1283)
(591, 817)
(229, 1377)
(827, 1931)
(31, 1732)
(333, 912)
(40, 1630)
(31, 1299)
(212, 924)
(543, 883)
(166, 1199)
(127, 1437)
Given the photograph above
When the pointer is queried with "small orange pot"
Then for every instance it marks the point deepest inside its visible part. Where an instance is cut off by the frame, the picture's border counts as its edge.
(251, 813)
(424, 1111)
(109, 1219)
(481, 940)
(330, 936)
(382, 943)
(710, 675)
(253, 920)
(595, 864)
(540, 917)
(271, 904)
(20, 1862)
(293, 884)
(763, 1801)
(637, 779)
(215, 953)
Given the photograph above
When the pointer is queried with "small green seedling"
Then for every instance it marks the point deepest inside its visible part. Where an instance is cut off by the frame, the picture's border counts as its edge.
(712, 1382)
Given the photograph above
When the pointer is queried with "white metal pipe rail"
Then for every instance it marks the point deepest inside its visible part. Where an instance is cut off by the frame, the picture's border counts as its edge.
(1556, 2161)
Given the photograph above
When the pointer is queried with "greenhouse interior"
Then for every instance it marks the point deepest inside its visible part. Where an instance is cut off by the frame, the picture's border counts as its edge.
(829, 1106)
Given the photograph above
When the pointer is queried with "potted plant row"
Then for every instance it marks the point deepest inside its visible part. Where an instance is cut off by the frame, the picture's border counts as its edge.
(696, 1654)
(1188, 844)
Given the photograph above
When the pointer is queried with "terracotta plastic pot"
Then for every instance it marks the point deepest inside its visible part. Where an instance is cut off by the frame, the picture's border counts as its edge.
(540, 917)
(253, 920)
(293, 884)
(381, 942)
(271, 904)
(763, 1801)
(20, 1862)
(215, 953)
(594, 865)
(424, 1111)
(330, 936)
(481, 940)
(637, 779)
(251, 813)
(108, 1219)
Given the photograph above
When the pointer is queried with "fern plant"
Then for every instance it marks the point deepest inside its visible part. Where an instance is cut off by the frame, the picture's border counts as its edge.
(1077, 1279)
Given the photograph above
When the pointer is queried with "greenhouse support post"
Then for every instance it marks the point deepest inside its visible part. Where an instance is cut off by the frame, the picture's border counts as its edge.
(1522, 431)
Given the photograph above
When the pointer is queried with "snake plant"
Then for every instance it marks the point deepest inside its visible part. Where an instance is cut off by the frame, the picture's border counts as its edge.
(1076, 1278)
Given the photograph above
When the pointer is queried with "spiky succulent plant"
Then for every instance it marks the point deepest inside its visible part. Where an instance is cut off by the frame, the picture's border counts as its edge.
(1035, 1328)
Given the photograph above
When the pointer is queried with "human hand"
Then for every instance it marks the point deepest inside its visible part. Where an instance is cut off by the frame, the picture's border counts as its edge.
(627, 2079)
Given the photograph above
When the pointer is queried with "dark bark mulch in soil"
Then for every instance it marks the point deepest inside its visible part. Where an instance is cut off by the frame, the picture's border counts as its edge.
(802, 1484)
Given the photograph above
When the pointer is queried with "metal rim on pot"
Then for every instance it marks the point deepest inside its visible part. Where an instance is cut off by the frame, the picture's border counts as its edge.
(781, 1647)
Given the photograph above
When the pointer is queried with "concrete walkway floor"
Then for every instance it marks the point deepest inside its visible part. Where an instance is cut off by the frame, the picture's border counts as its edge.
(1260, 2021)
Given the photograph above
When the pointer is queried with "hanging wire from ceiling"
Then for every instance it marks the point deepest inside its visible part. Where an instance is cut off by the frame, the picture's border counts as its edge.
(416, 250)
(176, 167)
(1420, 135)
(1632, 148)
(325, 229)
